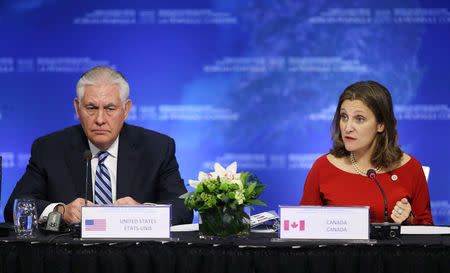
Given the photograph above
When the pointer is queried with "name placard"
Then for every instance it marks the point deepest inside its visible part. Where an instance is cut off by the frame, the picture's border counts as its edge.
(125, 222)
(314, 222)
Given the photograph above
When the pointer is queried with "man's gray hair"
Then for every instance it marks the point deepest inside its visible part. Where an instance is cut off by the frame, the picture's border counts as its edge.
(103, 75)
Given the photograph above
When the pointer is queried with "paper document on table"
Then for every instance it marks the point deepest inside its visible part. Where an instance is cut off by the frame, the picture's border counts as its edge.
(184, 228)
(425, 230)
(260, 218)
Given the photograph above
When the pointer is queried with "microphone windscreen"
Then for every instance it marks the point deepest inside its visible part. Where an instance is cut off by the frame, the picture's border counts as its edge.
(87, 155)
(371, 173)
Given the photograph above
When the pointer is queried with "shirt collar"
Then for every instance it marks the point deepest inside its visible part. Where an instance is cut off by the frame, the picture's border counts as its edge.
(112, 150)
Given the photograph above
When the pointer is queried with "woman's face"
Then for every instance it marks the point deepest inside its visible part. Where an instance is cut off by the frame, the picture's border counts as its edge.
(359, 127)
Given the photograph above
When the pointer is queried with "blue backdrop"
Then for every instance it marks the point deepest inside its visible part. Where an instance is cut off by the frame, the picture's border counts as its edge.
(252, 81)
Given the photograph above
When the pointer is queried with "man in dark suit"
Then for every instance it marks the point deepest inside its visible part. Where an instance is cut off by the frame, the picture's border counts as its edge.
(130, 165)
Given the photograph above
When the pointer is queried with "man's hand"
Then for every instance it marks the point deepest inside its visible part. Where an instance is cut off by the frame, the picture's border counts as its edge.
(72, 212)
(401, 211)
(126, 201)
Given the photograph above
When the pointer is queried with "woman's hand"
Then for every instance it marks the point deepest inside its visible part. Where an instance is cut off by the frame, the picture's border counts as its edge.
(401, 211)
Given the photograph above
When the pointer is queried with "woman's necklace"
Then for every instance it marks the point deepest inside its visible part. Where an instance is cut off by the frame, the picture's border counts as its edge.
(358, 169)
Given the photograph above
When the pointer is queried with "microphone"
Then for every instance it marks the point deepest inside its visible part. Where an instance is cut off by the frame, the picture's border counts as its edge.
(383, 230)
(76, 227)
(87, 155)
(372, 174)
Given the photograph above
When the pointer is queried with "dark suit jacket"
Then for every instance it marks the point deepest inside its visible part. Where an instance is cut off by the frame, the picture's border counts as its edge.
(147, 170)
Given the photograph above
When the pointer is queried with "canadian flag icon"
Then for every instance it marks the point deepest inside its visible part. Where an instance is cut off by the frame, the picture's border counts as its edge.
(294, 225)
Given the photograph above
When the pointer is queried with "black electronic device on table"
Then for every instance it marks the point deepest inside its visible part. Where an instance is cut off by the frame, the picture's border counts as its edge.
(54, 224)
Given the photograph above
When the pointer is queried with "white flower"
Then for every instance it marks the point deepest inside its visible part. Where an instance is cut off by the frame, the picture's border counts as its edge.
(229, 173)
(193, 183)
(201, 177)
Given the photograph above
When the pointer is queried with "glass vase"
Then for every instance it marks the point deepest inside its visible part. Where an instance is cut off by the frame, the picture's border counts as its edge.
(224, 222)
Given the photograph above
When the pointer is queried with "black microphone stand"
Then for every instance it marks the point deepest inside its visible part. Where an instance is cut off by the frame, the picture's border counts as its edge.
(87, 157)
(384, 230)
(76, 227)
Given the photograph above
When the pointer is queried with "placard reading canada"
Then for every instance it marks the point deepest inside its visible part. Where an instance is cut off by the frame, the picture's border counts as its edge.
(315, 222)
(124, 222)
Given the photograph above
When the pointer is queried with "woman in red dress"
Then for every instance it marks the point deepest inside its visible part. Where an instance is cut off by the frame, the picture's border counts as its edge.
(364, 134)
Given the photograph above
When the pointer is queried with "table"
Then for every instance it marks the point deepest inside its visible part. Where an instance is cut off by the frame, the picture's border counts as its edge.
(257, 253)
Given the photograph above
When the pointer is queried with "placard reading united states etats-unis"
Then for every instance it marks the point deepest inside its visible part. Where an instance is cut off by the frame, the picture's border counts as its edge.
(124, 222)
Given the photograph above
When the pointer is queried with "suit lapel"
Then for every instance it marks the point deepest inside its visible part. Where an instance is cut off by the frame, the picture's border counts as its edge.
(77, 164)
(126, 163)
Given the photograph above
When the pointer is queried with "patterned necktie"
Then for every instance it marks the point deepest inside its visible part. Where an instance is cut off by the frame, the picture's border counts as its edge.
(103, 193)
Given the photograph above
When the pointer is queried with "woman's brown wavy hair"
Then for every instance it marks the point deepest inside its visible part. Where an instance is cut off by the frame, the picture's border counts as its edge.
(375, 96)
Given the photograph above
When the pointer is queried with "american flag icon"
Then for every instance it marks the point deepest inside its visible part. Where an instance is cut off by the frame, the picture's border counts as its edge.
(95, 224)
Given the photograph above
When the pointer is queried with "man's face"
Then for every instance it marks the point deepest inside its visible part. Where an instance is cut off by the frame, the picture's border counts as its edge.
(102, 114)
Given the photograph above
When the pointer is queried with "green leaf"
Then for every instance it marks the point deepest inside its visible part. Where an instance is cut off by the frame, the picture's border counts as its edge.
(244, 177)
(250, 188)
(204, 207)
(225, 198)
(259, 189)
(186, 195)
(250, 206)
(256, 202)
(254, 178)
